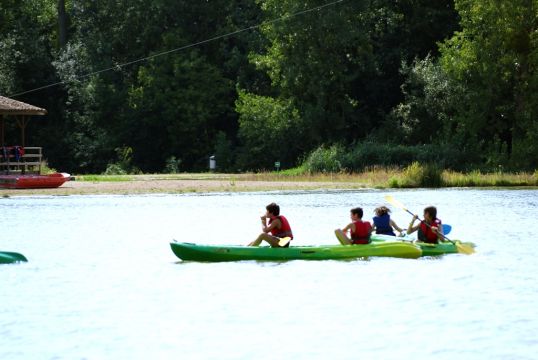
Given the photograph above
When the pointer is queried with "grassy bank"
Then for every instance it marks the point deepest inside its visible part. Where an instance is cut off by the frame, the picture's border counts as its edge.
(292, 180)
(413, 176)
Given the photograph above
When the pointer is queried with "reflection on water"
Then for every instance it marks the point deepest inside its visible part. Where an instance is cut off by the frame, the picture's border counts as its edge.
(102, 282)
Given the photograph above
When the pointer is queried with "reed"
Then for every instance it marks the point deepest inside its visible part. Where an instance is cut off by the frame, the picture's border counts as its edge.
(493, 179)
(412, 176)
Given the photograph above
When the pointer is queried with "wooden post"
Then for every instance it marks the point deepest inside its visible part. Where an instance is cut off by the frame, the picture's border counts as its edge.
(2, 129)
(22, 121)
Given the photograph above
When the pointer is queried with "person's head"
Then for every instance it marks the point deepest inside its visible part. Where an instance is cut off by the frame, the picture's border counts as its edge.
(273, 209)
(382, 210)
(357, 212)
(430, 213)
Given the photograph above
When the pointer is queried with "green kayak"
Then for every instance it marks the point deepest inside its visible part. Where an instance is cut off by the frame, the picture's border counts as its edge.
(194, 252)
(442, 248)
(7, 257)
(445, 247)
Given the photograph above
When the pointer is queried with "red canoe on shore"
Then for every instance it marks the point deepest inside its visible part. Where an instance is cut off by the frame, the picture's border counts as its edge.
(33, 181)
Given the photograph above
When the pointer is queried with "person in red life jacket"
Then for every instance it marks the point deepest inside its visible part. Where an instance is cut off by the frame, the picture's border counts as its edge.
(383, 224)
(359, 231)
(276, 229)
(430, 230)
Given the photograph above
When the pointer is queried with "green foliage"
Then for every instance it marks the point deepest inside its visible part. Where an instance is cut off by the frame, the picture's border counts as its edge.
(45, 169)
(104, 178)
(431, 98)
(180, 100)
(368, 76)
(495, 56)
(341, 69)
(418, 175)
(224, 153)
(371, 154)
(172, 165)
(124, 164)
(325, 159)
(270, 130)
(296, 171)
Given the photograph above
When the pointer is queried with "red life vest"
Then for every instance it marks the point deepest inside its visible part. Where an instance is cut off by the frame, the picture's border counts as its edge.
(285, 229)
(429, 235)
(361, 235)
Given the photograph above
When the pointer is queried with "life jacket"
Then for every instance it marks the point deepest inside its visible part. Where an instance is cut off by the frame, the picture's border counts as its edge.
(285, 229)
(382, 225)
(18, 152)
(361, 235)
(426, 234)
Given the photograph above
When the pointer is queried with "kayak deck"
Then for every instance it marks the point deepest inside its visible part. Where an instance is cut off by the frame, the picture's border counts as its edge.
(195, 252)
(442, 248)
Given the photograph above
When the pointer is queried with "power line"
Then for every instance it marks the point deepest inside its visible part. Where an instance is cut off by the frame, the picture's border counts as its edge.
(119, 66)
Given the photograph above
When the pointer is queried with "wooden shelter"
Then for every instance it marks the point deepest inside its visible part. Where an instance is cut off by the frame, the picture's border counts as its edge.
(28, 156)
(20, 111)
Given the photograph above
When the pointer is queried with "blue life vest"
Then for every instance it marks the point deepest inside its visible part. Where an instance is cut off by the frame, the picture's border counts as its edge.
(382, 225)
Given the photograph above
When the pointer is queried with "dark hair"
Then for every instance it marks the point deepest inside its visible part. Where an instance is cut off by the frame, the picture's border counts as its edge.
(432, 211)
(357, 211)
(382, 210)
(273, 209)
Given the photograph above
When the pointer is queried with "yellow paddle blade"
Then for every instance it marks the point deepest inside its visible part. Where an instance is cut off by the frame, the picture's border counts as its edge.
(395, 202)
(464, 248)
(284, 241)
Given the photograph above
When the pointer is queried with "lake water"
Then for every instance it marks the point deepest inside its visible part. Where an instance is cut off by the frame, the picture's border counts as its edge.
(102, 282)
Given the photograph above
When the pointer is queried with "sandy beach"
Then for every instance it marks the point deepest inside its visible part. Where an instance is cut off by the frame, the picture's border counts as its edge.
(147, 184)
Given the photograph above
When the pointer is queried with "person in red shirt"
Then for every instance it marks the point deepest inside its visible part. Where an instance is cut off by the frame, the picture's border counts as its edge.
(359, 231)
(430, 229)
(276, 229)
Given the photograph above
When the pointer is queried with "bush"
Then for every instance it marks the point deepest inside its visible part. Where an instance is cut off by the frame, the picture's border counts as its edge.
(325, 160)
(172, 165)
(124, 164)
(114, 169)
(428, 175)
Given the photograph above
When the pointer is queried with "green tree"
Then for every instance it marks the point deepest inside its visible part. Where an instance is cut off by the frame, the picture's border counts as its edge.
(495, 57)
(270, 130)
(28, 44)
(339, 65)
(170, 104)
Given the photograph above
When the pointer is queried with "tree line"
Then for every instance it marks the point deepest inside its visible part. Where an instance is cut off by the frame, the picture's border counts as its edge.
(159, 86)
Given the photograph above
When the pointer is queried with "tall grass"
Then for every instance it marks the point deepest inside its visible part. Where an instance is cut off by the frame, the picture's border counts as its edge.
(412, 176)
(479, 179)
(418, 175)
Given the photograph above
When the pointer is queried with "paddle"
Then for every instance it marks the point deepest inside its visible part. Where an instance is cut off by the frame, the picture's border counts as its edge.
(462, 248)
(15, 256)
(284, 241)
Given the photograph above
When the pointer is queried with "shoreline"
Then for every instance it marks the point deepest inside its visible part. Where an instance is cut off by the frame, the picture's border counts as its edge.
(175, 186)
(216, 182)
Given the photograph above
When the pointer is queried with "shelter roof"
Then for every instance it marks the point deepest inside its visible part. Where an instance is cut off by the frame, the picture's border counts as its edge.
(13, 107)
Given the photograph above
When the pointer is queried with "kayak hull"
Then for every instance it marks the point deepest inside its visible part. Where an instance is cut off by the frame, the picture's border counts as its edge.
(442, 248)
(7, 257)
(33, 181)
(195, 252)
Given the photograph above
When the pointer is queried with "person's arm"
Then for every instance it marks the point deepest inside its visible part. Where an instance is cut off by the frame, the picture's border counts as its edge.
(267, 228)
(438, 229)
(393, 224)
(348, 227)
(411, 229)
